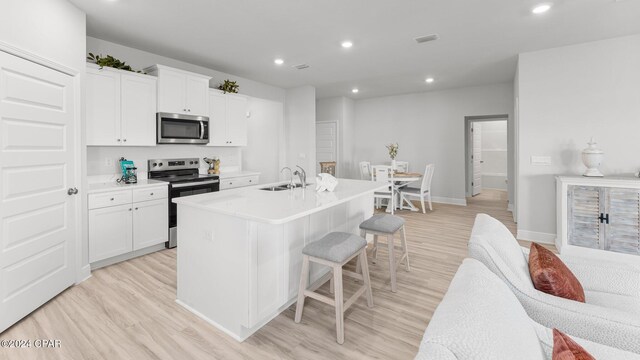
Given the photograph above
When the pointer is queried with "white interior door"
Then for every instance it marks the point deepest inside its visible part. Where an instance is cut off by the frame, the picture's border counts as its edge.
(37, 216)
(476, 158)
(326, 143)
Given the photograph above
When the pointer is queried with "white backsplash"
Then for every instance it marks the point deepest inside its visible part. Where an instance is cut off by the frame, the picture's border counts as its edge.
(102, 161)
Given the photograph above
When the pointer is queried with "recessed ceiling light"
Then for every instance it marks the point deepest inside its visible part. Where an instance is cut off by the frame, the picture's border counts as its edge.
(541, 9)
(355, 91)
(347, 44)
(278, 61)
(429, 80)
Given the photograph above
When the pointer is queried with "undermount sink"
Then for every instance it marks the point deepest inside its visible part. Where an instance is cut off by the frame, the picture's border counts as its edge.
(282, 187)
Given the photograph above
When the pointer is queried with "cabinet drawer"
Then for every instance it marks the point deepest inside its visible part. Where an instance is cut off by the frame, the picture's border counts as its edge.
(150, 194)
(114, 198)
(238, 182)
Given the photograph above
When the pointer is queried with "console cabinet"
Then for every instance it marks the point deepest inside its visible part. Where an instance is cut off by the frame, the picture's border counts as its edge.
(599, 216)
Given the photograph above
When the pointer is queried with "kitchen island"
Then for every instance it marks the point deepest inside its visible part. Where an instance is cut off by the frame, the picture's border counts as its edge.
(240, 251)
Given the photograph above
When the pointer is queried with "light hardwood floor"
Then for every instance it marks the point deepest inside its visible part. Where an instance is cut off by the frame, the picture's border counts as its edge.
(127, 311)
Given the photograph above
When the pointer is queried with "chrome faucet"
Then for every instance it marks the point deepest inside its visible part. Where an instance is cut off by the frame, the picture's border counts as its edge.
(302, 175)
(290, 185)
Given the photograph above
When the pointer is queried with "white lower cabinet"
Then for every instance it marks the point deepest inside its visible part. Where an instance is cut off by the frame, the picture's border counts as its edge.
(110, 232)
(120, 229)
(239, 181)
(150, 223)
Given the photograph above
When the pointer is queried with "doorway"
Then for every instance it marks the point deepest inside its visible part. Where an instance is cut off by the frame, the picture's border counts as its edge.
(486, 159)
(326, 143)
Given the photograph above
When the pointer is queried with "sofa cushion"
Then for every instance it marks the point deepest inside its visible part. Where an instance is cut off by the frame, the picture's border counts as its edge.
(564, 348)
(550, 275)
(479, 318)
(493, 244)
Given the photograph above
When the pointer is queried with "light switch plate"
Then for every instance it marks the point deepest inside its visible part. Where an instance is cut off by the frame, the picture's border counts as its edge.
(541, 160)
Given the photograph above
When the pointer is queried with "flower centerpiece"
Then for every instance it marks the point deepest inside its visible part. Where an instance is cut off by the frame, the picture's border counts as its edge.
(393, 152)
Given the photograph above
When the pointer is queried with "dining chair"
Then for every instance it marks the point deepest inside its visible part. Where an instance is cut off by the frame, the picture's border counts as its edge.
(423, 191)
(365, 170)
(383, 173)
(402, 166)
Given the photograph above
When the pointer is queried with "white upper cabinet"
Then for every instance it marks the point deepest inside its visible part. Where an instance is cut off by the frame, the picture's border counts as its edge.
(227, 119)
(103, 107)
(181, 92)
(120, 108)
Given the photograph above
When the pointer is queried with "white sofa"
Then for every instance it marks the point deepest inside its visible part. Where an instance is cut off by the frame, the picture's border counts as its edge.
(611, 312)
(480, 318)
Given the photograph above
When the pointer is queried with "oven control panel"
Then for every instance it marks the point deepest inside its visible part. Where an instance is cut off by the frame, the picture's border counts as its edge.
(173, 164)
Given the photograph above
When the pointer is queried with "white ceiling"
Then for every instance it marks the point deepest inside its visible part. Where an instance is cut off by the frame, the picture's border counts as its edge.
(479, 39)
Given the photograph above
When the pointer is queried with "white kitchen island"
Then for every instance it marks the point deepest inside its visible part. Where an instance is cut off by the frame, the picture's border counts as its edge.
(240, 250)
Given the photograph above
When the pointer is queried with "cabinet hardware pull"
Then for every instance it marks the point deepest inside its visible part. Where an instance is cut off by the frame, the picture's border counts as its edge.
(129, 209)
(151, 194)
(136, 208)
(118, 140)
(125, 140)
(111, 199)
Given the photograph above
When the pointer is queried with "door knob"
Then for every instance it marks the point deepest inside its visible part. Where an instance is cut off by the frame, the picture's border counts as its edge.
(72, 191)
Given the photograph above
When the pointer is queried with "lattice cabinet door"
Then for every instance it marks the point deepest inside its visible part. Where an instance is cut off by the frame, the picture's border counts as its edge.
(622, 219)
(584, 209)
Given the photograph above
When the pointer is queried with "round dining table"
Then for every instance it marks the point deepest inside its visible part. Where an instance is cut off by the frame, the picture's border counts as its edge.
(400, 180)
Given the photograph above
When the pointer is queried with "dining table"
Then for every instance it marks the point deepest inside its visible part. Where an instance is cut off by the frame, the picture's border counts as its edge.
(400, 180)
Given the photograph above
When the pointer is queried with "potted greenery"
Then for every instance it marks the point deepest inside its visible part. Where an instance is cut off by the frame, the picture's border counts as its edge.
(229, 86)
(393, 152)
(110, 61)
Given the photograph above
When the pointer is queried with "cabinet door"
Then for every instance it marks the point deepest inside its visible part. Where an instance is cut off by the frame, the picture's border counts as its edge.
(622, 233)
(109, 232)
(197, 96)
(172, 92)
(103, 107)
(217, 119)
(236, 120)
(150, 223)
(138, 110)
(584, 226)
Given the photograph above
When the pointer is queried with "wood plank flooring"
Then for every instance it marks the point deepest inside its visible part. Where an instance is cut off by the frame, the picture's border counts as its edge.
(127, 311)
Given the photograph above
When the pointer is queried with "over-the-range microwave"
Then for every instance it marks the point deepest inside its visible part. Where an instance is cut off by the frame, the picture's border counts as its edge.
(182, 129)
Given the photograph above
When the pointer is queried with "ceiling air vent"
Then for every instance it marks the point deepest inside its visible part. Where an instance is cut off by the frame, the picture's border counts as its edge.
(426, 38)
(300, 66)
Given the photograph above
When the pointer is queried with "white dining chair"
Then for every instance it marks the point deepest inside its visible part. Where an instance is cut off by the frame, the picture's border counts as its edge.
(402, 166)
(423, 191)
(365, 170)
(383, 173)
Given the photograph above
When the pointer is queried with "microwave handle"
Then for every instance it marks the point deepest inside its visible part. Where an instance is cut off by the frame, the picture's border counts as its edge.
(201, 130)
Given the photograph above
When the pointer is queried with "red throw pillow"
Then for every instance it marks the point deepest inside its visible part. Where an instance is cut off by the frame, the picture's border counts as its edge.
(550, 275)
(564, 348)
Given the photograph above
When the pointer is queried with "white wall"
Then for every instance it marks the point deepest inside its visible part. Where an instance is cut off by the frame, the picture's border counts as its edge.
(430, 128)
(300, 129)
(342, 111)
(266, 139)
(567, 95)
(54, 30)
(494, 154)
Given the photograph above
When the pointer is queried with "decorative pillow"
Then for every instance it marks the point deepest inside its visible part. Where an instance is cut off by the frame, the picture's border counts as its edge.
(550, 275)
(565, 348)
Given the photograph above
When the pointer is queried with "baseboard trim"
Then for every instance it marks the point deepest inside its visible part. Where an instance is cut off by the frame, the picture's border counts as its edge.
(450, 201)
(83, 274)
(510, 207)
(128, 256)
(545, 238)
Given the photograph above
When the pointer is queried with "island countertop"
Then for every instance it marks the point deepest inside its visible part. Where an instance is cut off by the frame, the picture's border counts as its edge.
(278, 207)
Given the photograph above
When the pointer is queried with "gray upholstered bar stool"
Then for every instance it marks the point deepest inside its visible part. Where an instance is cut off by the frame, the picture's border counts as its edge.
(387, 225)
(335, 250)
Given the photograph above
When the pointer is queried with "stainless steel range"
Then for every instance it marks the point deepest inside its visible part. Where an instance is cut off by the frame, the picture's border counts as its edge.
(184, 180)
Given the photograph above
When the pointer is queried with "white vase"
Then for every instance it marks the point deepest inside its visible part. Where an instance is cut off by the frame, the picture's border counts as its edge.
(592, 158)
(394, 167)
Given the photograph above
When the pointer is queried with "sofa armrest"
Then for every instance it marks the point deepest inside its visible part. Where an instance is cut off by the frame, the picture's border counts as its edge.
(605, 276)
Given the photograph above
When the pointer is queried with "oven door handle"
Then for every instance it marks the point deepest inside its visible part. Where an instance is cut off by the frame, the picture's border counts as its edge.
(201, 130)
(178, 186)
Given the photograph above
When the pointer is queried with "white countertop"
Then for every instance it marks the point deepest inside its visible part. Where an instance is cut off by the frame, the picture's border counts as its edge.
(278, 207)
(235, 174)
(114, 186)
